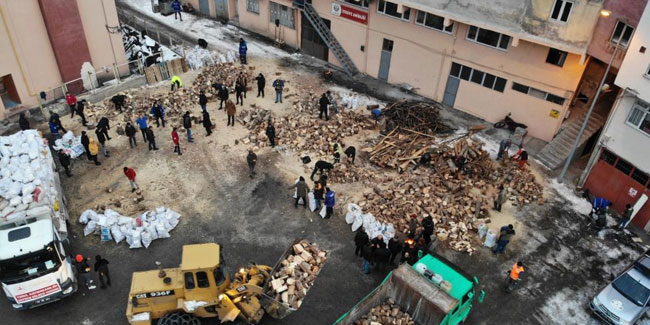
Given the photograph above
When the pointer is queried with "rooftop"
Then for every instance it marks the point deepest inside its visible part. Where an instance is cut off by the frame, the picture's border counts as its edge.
(200, 256)
(24, 242)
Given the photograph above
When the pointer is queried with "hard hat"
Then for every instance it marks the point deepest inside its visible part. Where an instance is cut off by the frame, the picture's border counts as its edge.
(79, 258)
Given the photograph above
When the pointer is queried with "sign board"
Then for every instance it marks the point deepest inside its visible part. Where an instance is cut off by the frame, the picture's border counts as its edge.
(554, 113)
(632, 192)
(349, 13)
(106, 234)
(38, 293)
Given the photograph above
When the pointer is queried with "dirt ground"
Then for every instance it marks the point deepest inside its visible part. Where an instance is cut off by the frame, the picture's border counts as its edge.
(254, 220)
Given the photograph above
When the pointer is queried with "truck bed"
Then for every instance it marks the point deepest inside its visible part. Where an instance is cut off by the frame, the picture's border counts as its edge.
(415, 294)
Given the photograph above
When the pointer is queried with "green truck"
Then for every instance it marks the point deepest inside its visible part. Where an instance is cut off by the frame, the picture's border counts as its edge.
(433, 291)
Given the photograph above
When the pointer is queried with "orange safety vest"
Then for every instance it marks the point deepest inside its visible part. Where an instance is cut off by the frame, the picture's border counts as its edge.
(514, 273)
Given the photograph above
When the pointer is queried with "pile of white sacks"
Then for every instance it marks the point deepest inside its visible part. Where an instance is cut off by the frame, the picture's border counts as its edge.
(138, 232)
(70, 144)
(26, 175)
(371, 226)
(198, 57)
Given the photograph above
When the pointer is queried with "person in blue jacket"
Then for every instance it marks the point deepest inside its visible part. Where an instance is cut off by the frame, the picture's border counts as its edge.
(176, 5)
(158, 112)
(330, 200)
(243, 48)
(142, 123)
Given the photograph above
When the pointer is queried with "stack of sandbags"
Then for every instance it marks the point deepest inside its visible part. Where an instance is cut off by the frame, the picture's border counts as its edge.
(388, 313)
(371, 226)
(139, 231)
(27, 176)
(296, 274)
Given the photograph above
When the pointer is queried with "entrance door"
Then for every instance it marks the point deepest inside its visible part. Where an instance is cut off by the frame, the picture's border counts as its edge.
(384, 64)
(204, 7)
(311, 43)
(221, 8)
(450, 91)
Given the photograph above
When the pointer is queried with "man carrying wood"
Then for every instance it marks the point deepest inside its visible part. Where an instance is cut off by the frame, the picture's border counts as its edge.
(321, 166)
(505, 235)
(301, 191)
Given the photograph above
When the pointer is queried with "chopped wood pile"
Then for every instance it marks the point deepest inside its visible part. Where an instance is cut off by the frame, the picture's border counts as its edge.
(291, 281)
(416, 116)
(388, 313)
(351, 173)
(457, 200)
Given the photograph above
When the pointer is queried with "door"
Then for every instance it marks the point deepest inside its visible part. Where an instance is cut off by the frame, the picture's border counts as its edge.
(204, 7)
(221, 8)
(450, 91)
(311, 43)
(384, 64)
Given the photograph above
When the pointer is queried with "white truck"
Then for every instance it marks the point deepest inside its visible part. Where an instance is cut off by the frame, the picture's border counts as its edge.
(35, 264)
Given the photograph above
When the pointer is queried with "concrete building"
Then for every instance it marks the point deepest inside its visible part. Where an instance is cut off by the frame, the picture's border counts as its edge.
(44, 43)
(620, 163)
(488, 58)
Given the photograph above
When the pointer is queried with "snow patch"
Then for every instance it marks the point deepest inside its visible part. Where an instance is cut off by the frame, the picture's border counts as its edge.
(578, 204)
(566, 305)
(192, 305)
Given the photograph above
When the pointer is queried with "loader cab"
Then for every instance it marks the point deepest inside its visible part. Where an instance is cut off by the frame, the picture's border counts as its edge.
(204, 277)
(457, 283)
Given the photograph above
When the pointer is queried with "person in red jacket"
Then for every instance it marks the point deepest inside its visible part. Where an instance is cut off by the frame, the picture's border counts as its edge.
(72, 102)
(130, 174)
(175, 139)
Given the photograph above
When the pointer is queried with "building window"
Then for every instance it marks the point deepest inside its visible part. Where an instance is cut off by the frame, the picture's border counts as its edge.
(556, 57)
(389, 8)
(360, 3)
(488, 37)
(478, 77)
(639, 176)
(537, 93)
(433, 21)
(282, 13)
(640, 116)
(253, 6)
(608, 157)
(624, 166)
(561, 10)
(622, 29)
(387, 45)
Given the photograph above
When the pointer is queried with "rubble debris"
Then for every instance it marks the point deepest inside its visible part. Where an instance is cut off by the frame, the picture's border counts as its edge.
(416, 116)
(386, 313)
(296, 273)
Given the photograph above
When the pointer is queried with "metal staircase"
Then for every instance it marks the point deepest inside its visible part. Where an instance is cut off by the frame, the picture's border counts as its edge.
(326, 35)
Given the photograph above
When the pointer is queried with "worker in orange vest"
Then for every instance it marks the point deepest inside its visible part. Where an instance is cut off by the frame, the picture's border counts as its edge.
(513, 277)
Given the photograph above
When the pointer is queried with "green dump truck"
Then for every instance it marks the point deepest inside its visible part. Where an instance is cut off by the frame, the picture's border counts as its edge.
(433, 291)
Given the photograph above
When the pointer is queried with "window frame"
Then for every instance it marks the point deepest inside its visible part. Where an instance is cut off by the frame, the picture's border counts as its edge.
(498, 84)
(564, 56)
(280, 9)
(203, 282)
(187, 283)
(645, 112)
(380, 2)
(561, 12)
(424, 21)
(538, 91)
(358, 5)
(475, 39)
(625, 27)
(248, 7)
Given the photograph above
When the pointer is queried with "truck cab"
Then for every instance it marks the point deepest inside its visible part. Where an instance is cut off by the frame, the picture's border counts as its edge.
(34, 268)
(626, 299)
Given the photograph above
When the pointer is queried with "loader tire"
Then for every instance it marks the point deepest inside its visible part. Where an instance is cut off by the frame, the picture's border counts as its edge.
(179, 318)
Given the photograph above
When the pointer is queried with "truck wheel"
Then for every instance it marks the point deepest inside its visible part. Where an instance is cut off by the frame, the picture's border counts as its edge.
(179, 318)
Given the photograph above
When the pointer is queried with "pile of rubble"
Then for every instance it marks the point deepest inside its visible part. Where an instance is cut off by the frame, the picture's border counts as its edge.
(386, 313)
(415, 116)
(296, 274)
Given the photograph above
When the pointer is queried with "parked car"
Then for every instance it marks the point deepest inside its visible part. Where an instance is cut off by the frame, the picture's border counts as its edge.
(625, 300)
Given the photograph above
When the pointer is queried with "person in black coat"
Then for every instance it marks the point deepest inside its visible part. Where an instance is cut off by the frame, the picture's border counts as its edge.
(324, 102)
(118, 101)
(360, 240)
(367, 257)
(207, 124)
(378, 242)
(103, 126)
(130, 132)
(151, 138)
(395, 247)
(203, 101)
(64, 159)
(80, 111)
(85, 141)
(321, 166)
(382, 257)
(351, 153)
(101, 267)
(102, 141)
(270, 133)
(261, 82)
(187, 124)
(23, 122)
(223, 95)
(428, 225)
(239, 92)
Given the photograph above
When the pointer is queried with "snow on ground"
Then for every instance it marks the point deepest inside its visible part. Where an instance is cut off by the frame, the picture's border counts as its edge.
(362, 100)
(219, 36)
(567, 307)
(578, 204)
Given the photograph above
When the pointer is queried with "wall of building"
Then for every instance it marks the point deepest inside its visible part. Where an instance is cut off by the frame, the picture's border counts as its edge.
(633, 73)
(261, 23)
(627, 11)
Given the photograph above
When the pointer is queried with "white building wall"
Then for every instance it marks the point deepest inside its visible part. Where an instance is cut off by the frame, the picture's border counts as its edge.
(634, 70)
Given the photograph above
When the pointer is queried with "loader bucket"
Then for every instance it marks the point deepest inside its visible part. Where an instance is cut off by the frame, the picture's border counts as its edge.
(273, 307)
(415, 294)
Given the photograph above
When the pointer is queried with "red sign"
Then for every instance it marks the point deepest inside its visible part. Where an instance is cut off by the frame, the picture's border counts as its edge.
(350, 13)
(42, 292)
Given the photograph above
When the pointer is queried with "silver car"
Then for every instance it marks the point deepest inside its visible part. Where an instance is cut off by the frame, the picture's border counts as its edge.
(625, 300)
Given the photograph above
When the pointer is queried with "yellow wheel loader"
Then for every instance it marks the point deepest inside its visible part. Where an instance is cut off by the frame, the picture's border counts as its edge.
(201, 287)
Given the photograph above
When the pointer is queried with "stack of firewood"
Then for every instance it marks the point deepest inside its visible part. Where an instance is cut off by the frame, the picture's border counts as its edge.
(388, 313)
(416, 116)
(296, 274)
